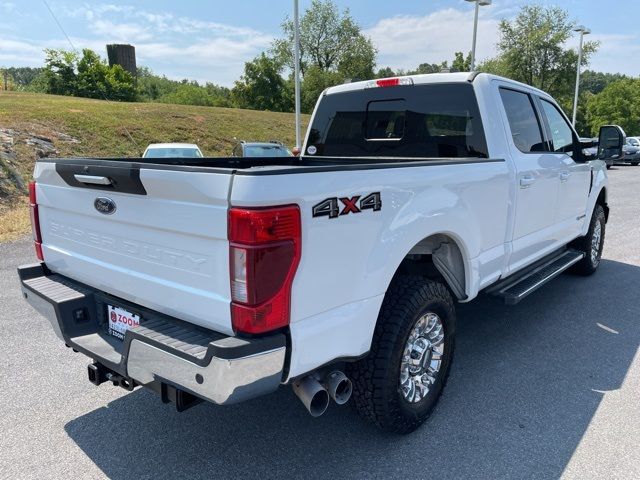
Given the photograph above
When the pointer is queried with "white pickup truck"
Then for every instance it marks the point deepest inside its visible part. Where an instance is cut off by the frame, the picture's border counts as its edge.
(221, 279)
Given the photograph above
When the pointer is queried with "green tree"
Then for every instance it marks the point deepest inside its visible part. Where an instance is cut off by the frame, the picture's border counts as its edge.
(96, 79)
(461, 63)
(6, 80)
(385, 72)
(315, 82)
(329, 40)
(151, 87)
(532, 49)
(23, 76)
(120, 84)
(221, 95)
(429, 68)
(262, 87)
(39, 84)
(188, 94)
(619, 104)
(59, 76)
(595, 82)
(497, 66)
(358, 61)
(89, 76)
(92, 75)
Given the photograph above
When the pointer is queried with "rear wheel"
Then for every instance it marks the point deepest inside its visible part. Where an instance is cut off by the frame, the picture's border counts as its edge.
(398, 384)
(635, 164)
(592, 243)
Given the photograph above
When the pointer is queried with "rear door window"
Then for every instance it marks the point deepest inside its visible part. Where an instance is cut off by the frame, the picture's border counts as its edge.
(523, 121)
(415, 121)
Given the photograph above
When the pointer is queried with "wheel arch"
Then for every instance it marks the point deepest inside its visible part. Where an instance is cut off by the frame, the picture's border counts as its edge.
(441, 255)
(601, 199)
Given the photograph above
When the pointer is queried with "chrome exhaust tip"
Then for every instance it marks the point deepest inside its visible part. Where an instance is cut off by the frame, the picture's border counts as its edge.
(312, 394)
(338, 386)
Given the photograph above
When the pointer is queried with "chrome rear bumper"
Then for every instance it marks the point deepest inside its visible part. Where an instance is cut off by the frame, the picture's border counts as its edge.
(162, 350)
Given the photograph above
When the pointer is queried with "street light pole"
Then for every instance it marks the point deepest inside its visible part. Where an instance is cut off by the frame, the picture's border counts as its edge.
(479, 3)
(583, 31)
(475, 34)
(296, 68)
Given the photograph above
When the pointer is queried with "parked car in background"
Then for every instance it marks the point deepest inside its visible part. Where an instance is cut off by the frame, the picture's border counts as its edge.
(634, 141)
(172, 150)
(631, 152)
(261, 149)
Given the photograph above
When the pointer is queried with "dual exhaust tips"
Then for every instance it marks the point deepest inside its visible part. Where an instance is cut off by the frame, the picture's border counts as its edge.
(315, 394)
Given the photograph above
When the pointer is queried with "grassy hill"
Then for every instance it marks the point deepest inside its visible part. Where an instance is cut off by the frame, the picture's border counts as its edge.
(85, 127)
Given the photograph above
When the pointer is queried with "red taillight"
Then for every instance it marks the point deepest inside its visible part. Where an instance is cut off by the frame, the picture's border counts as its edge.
(35, 220)
(264, 252)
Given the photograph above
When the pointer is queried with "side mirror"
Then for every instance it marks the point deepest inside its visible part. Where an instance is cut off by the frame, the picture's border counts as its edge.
(611, 140)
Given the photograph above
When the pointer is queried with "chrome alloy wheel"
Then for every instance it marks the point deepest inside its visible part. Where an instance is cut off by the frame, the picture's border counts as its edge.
(596, 239)
(422, 358)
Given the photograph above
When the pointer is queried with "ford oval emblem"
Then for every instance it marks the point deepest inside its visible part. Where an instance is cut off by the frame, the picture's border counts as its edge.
(105, 205)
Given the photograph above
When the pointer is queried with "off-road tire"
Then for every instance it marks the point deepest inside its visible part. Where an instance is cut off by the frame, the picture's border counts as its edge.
(376, 391)
(587, 265)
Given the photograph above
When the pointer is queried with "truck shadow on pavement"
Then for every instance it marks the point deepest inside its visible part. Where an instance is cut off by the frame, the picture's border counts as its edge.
(524, 387)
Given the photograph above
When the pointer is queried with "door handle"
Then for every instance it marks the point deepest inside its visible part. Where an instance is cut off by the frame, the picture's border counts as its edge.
(93, 179)
(564, 176)
(526, 181)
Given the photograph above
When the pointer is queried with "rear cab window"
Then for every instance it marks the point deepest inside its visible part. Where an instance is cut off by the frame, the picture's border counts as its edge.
(408, 121)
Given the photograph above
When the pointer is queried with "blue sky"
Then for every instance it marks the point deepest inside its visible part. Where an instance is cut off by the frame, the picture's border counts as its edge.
(211, 40)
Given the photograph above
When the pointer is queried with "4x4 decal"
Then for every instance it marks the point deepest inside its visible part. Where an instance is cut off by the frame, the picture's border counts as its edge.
(330, 207)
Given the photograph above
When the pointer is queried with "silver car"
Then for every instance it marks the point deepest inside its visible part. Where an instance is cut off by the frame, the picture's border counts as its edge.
(172, 150)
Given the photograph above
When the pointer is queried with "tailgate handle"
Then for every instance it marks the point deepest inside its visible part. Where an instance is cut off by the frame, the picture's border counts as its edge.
(93, 179)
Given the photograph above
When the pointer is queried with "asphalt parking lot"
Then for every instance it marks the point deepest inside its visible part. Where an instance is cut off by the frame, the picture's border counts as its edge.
(544, 389)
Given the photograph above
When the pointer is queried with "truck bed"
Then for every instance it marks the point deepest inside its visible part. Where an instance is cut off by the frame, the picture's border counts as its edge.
(166, 247)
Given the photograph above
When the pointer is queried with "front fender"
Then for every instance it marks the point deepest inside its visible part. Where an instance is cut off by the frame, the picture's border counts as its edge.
(599, 183)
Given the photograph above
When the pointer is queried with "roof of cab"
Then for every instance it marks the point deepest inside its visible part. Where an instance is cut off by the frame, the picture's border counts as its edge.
(433, 78)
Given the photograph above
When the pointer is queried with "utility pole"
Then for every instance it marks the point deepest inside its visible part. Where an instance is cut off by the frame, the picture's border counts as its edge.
(583, 31)
(296, 68)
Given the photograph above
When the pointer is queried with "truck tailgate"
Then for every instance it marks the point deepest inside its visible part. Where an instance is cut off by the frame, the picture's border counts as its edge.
(164, 246)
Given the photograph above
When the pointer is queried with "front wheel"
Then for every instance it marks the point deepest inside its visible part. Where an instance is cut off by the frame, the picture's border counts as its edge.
(592, 243)
(398, 384)
(635, 164)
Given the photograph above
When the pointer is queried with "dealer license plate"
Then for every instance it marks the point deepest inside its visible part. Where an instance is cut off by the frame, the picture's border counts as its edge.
(121, 320)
